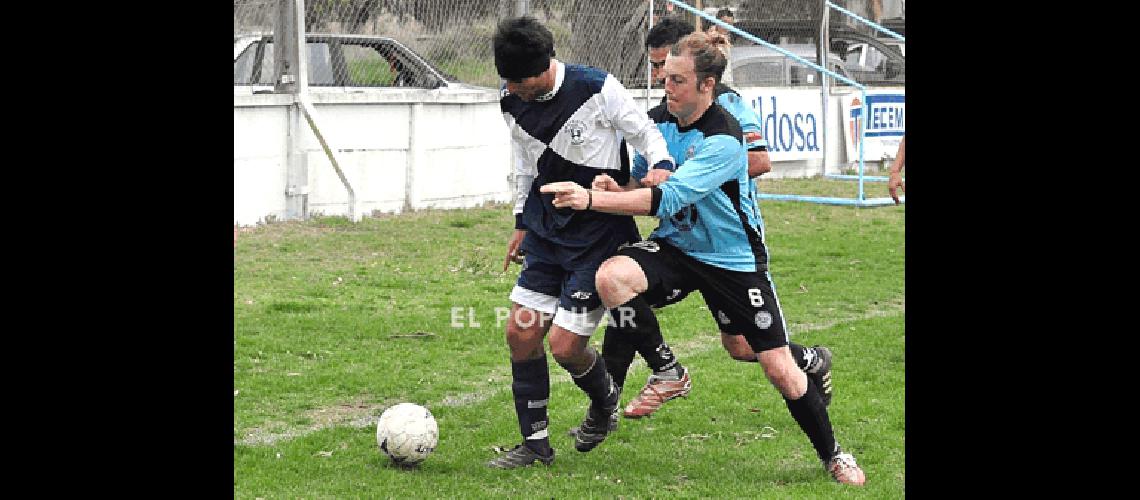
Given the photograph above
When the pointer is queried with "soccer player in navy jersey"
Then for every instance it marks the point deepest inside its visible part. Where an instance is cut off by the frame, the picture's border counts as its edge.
(669, 378)
(709, 239)
(568, 123)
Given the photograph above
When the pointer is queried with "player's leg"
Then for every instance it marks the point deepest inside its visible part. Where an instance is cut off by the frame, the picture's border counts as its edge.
(617, 352)
(640, 275)
(744, 303)
(814, 361)
(534, 300)
(805, 402)
(619, 347)
(579, 313)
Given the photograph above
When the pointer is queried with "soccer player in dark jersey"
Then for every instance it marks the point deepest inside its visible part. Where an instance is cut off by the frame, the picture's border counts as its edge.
(670, 379)
(709, 239)
(568, 123)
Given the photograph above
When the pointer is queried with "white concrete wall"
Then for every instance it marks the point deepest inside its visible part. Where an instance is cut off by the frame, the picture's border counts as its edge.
(261, 136)
(416, 148)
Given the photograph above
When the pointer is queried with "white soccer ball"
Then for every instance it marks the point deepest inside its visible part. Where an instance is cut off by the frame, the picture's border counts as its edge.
(407, 433)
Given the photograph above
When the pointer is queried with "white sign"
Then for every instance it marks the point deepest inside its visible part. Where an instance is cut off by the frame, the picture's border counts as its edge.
(884, 129)
(792, 121)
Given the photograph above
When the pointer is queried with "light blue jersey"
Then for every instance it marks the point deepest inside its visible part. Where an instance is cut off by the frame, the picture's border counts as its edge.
(707, 207)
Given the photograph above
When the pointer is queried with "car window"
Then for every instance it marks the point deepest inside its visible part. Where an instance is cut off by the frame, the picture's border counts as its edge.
(380, 65)
(265, 77)
(875, 58)
(851, 59)
(760, 73)
(802, 75)
(243, 66)
(320, 64)
(344, 62)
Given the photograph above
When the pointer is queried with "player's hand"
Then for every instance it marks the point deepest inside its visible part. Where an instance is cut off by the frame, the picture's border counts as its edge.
(605, 183)
(655, 177)
(567, 194)
(513, 253)
(893, 184)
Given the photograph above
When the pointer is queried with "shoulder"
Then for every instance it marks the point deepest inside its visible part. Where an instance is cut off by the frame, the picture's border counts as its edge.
(727, 96)
(723, 91)
(589, 76)
(718, 121)
(660, 114)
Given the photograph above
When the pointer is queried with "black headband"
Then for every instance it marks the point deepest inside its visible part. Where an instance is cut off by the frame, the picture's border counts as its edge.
(517, 68)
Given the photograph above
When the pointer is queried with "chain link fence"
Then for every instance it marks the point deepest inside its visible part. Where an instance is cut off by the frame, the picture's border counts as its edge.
(455, 35)
(254, 16)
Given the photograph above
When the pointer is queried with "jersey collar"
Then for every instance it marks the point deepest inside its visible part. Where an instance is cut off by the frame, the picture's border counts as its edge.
(559, 75)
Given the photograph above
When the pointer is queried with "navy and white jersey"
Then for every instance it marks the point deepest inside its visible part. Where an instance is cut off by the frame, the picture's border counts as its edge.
(706, 207)
(575, 133)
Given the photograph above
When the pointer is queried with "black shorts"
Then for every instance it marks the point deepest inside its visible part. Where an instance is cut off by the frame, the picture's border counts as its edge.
(741, 303)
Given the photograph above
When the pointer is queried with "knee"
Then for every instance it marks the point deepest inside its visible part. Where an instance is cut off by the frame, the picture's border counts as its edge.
(524, 336)
(563, 353)
(618, 280)
(607, 279)
(569, 350)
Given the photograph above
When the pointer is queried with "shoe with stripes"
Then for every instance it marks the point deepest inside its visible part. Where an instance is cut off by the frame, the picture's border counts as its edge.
(520, 456)
(820, 371)
(597, 424)
(656, 392)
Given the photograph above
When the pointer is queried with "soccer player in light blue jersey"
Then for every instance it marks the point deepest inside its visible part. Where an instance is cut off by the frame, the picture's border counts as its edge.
(709, 239)
(669, 378)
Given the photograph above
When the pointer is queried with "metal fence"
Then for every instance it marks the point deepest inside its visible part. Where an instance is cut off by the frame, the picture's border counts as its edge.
(455, 35)
(254, 16)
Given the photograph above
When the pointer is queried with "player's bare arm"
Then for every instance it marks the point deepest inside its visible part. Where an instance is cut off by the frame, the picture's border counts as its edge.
(758, 163)
(604, 182)
(570, 195)
(655, 177)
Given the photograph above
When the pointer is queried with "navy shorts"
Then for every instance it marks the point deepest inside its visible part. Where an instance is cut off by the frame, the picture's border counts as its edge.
(559, 282)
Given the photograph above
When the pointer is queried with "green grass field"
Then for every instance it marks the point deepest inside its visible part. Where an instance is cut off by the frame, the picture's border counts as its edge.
(335, 321)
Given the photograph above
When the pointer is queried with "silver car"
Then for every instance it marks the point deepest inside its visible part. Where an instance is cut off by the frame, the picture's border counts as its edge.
(760, 66)
(346, 62)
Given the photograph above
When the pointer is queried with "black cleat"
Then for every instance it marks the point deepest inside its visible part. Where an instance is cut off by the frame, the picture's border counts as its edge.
(520, 456)
(598, 423)
(613, 426)
(821, 372)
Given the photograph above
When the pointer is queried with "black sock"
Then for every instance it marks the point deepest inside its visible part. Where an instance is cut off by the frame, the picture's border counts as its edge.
(531, 388)
(639, 323)
(618, 351)
(811, 414)
(595, 382)
(804, 356)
